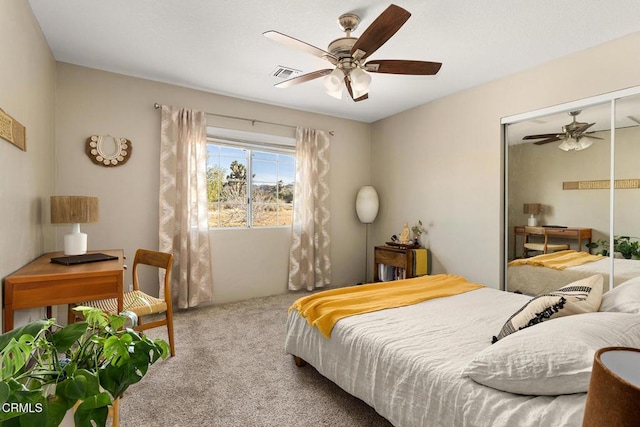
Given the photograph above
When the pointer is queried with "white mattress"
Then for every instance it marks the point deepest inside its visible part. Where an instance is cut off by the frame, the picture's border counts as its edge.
(406, 363)
(534, 280)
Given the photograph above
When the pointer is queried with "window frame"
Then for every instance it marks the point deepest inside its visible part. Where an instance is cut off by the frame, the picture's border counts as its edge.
(252, 142)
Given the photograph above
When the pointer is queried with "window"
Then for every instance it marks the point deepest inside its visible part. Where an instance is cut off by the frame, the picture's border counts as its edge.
(249, 184)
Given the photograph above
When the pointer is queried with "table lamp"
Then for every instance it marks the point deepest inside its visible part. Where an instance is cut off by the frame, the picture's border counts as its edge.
(532, 209)
(614, 388)
(74, 210)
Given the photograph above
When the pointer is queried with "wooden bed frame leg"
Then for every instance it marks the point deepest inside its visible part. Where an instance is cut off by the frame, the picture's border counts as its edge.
(299, 362)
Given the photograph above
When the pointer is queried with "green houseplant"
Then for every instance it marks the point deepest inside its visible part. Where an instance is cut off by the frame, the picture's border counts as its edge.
(628, 248)
(47, 368)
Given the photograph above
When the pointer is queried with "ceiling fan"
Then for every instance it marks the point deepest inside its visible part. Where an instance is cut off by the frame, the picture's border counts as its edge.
(573, 135)
(348, 55)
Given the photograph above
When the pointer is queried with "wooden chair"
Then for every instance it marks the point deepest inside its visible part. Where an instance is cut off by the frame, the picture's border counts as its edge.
(139, 302)
(544, 246)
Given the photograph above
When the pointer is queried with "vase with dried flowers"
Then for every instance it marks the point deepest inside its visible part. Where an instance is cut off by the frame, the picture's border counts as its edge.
(418, 230)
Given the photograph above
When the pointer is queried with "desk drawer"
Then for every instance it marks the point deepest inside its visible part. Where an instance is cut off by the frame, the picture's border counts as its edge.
(563, 232)
(396, 259)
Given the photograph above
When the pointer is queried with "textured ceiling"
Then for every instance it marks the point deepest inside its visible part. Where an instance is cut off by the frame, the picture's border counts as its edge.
(217, 45)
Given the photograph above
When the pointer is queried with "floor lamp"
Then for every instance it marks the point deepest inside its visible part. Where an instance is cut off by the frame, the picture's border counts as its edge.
(367, 205)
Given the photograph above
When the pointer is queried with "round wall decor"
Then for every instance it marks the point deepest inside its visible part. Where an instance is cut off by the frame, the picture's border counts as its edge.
(106, 150)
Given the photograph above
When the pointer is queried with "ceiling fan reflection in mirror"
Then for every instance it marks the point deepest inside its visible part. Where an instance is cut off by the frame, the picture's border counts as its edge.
(574, 136)
(348, 55)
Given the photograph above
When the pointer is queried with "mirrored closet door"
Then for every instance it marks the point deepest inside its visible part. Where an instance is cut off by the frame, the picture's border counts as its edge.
(571, 182)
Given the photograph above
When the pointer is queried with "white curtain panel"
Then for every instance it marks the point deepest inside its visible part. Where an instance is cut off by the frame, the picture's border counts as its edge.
(309, 257)
(184, 229)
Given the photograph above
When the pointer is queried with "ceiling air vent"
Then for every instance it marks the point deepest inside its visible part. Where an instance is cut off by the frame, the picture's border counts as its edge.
(285, 72)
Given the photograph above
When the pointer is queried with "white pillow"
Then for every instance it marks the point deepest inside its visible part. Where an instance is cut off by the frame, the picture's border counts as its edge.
(581, 296)
(554, 357)
(624, 298)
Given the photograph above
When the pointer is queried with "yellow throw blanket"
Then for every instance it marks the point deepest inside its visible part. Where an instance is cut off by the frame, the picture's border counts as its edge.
(558, 260)
(325, 308)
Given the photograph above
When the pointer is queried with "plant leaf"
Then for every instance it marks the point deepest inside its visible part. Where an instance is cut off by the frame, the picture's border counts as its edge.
(72, 388)
(4, 392)
(15, 356)
(94, 408)
(116, 322)
(116, 349)
(95, 317)
(57, 408)
(31, 328)
(92, 381)
(64, 338)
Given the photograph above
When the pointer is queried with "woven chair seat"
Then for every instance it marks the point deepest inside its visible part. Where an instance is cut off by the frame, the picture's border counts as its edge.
(135, 301)
(548, 247)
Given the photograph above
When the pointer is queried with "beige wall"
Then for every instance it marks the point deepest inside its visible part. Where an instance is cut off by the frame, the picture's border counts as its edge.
(27, 88)
(441, 162)
(246, 263)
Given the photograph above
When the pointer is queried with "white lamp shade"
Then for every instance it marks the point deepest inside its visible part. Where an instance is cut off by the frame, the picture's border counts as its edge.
(367, 204)
(584, 143)
(335, 93)
(568, 144)
(333, 81)
(360, 80)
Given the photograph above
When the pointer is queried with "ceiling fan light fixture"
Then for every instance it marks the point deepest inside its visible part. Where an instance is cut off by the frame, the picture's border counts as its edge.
(335, 93)
(333, 81)
(360, 80)
(357, 94)
(349, 55)
(568, 144)
(584, 143)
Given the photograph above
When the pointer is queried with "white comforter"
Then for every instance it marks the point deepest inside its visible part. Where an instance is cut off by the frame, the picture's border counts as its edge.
(406, 363)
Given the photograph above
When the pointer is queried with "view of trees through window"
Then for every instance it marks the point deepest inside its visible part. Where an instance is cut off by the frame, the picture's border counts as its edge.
(249, 188)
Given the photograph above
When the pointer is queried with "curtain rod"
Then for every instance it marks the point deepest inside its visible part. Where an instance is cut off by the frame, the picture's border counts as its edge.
(253, 121)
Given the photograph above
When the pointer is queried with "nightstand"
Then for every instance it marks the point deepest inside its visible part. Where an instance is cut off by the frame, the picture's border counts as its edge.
(401, 257)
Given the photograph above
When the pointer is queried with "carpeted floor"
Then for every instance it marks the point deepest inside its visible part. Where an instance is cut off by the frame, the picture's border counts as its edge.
(230, 369)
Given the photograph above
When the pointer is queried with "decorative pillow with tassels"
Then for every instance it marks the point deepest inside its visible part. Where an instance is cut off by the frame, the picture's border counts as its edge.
(581, 296)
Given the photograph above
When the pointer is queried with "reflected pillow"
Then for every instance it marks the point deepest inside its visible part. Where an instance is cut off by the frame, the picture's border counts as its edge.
(624, 298)
(554, 357)
(581, 296)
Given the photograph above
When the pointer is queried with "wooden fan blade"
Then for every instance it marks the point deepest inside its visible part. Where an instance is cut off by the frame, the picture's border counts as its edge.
(544, 135)
(584, 127)
(548, 140)
(347, 83)
(293, 43)
(588, 135)
(380, 30)
(395, 66)
(303, 78)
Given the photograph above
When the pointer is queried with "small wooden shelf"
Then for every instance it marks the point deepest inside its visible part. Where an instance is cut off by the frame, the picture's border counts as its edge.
(396, 256)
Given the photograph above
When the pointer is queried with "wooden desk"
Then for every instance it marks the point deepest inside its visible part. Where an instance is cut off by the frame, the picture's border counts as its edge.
(42, 283)
(570, 233)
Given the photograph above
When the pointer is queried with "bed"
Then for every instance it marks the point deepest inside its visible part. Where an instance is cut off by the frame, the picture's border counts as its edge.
(414, 364)
(535, 280)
